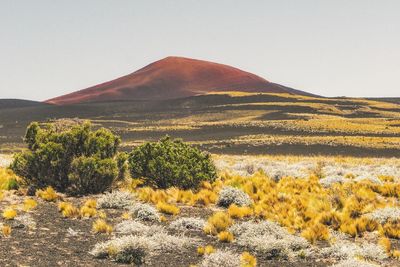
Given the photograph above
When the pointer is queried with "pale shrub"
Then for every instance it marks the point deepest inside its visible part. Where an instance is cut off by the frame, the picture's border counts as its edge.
(135, 248)
(221, 259)
(344, 250)
(327, 182)
(384, 215)
(145, 212)
(354, 263)
(267, 238)
(184, 224)
(126, 249)
(368, 178)
(115, 200)
(136, 228)
(25, 220)
(230, 195)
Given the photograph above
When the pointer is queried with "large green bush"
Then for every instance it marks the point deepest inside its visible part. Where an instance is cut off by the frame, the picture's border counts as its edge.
(70, 157)
(170, 163)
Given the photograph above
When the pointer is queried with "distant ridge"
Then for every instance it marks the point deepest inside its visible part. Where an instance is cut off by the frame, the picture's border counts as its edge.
(19, 103)
(174, 77)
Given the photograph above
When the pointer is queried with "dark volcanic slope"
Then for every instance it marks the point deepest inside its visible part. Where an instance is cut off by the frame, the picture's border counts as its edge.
(174, 77)
(18, 103)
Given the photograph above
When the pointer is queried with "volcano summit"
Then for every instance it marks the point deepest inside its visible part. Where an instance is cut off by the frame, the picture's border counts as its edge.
(174, 77)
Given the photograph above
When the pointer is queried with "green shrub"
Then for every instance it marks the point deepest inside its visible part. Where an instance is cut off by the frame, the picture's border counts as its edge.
(92, 175)
(171, 163)
(69, 157)
(122, 162)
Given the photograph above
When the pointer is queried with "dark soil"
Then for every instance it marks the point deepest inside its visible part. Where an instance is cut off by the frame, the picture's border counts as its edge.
(51, 245)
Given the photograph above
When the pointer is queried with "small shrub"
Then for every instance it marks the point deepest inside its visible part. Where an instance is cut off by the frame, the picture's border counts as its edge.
(253, 236)
(150, 243)
(69, 157)
(353, 263)
(221, 259)
(126, 249)
(170, 163)
(184, 224)
(168, 208)
(25, 220)
(384, 215)
(101, 226)
(130, 227)
(145, 212)
(230, 195)
(115, 200)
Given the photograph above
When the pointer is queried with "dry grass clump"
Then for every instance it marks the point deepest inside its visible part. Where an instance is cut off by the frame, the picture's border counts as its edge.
(217, 222)
(9, 214)
(100, 226)
(115, 200)
(48, 194)
(247, 260)
(205, 250)
(29, 204)
(87, 212)
(188, 223)
(221, 259)
(6, 230)
(225, 237)
(144, 212)
(316, 232)
(68, 210)
(8, 180)
(167, 208)
(230, 195)
(237, 212)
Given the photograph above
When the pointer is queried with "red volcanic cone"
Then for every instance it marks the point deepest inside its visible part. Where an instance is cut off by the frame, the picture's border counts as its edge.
(174, 77)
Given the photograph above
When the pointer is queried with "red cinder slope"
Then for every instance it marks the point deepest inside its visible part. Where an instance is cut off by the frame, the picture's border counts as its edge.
(174, 77)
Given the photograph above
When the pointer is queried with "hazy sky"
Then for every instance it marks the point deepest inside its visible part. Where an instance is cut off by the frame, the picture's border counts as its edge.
(336, 47)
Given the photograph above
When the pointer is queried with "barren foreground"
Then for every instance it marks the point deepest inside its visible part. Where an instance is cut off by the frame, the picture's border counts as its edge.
(283, 211)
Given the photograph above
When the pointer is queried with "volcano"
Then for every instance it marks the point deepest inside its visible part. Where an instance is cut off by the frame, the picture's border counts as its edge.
(174, 77)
